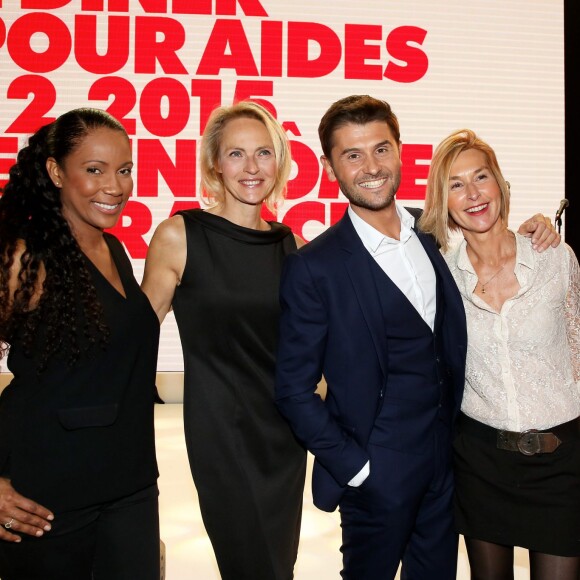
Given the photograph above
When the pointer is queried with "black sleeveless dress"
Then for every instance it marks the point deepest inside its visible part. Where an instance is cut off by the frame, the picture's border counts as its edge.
(247, 466)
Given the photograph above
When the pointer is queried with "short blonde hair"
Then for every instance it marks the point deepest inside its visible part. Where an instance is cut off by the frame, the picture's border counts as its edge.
(435, 219)
(212, 187)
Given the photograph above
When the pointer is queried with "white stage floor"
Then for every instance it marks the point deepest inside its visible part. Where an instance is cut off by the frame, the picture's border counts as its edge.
(189, 553)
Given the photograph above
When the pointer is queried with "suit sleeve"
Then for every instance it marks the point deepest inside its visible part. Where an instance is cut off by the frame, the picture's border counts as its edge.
(304, 327)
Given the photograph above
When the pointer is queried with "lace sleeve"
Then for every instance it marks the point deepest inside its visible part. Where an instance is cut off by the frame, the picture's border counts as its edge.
(573, 314)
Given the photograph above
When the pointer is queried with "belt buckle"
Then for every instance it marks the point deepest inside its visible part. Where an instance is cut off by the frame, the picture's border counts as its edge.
(528, 442)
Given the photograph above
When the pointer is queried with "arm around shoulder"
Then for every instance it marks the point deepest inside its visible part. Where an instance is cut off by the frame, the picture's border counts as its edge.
(541, 231)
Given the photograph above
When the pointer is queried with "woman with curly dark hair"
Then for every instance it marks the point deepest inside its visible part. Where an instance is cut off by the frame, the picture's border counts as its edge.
(76, 422)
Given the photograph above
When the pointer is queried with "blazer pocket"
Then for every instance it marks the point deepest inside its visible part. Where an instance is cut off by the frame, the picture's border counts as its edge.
(79, 418)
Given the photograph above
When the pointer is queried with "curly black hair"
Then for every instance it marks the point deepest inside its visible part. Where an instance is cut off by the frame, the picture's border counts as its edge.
(67, 317)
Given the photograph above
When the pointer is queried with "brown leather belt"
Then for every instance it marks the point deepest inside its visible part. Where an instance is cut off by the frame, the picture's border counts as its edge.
(528, 442)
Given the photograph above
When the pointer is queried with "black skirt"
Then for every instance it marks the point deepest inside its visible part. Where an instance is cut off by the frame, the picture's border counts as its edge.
(512, 499)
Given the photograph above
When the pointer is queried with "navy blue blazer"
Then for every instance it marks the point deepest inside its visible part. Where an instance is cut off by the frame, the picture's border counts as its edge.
(332, 325)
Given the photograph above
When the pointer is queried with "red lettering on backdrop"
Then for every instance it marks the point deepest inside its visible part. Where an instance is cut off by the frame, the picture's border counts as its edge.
(308, 169)
(149, 51)
(337, 211)
(99, 5)
(152, 98)
(271, 48)
(228, 34)
(86, 35)
(125, 97)
(210, 97)
(398, 47)
(42, 4)
(20, 36)
(413, 171)
(192, 7)
(250, 90)
(2, 30)
(7, 145)
(134, 224)
(150, 6)
(34, 114)
(300, 35)
(267, 214)
(249, 7)
(328, 189)
(153, 161)
(297, 216)
(291, 127)
(223, 7)
(357, 52)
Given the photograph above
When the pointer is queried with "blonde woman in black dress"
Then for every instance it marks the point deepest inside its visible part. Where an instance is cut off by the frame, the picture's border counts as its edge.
(219, 269)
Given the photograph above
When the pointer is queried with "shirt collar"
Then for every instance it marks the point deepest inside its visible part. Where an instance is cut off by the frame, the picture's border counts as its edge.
(372, 238)
(524, 254)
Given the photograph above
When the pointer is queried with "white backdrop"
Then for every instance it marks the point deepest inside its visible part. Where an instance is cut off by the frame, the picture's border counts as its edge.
(496, 66)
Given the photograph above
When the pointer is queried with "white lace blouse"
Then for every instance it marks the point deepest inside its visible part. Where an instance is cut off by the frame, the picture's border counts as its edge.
(523, 363)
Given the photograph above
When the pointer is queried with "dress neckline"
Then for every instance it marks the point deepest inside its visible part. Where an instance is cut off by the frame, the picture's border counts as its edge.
(100, 275)
(221, 225)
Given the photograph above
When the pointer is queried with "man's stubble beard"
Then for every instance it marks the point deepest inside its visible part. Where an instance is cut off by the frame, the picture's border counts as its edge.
(357, 200)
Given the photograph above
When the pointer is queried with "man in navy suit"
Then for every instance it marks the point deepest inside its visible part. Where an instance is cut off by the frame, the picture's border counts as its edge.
(371, 305)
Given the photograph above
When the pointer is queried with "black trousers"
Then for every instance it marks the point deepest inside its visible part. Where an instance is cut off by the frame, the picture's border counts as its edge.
(117, 540)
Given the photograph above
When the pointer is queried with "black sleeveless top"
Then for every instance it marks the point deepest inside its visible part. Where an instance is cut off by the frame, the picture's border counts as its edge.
(75, 436)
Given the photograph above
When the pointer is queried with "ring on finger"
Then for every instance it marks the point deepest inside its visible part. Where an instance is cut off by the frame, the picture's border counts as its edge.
(8, 525)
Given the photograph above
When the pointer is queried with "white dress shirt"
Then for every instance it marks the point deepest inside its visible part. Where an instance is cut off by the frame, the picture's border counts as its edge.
(523, 363)
(404, 261)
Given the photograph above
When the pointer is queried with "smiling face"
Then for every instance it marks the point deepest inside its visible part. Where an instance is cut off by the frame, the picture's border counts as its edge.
(94, 180)
(246, 161)
(366, 162)
(474, 201)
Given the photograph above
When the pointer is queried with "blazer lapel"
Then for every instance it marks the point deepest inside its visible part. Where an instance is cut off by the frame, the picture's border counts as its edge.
(455, 325)
(358, 267)
(449, 287)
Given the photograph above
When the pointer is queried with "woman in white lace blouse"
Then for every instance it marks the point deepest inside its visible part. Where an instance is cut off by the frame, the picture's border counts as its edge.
(517, 451)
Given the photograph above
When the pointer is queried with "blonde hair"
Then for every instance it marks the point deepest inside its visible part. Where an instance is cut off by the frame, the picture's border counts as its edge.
(212, 187)
(435, 219)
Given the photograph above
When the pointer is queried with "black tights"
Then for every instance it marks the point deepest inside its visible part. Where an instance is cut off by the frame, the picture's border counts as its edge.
(495, 562)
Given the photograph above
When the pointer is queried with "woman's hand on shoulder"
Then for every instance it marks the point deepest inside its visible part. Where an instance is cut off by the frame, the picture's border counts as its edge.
(20, 514)
(165, 264)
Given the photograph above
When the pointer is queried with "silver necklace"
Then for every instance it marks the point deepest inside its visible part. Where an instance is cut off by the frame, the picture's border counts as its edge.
(484, 285)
